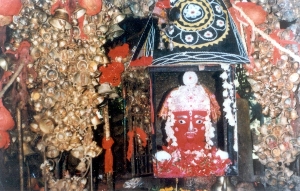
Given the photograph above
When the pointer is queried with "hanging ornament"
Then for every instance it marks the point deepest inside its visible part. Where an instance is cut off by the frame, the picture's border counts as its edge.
(4, 139)
(10, 7)
(255, 12)
(171, 45)
(92, 6)
(6, 120)
(161, 45)
(106, 144)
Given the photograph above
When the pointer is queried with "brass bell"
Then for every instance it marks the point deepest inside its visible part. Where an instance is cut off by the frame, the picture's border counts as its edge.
(95, 120)
(52, 152)
(161, 45)
(76, 31)
(79, 12)
(52, 75)
(27, 150)
(81, 166)
(82, 65)
(135, 8)
(35, 95)
(105, 60)
(90, 28)
(117, 16)
(60, 19)
(115, 31)
(35, 53)
(105, 88)
(103, 29)
(92, 66)
(98, 58)
(113, 95)
(82, 78)
(3, 63)
(78, 152)
(46, 125)
(98, 99)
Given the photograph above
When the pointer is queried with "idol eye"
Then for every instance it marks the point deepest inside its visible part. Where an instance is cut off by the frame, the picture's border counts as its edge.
(181, 121)
(198, 121)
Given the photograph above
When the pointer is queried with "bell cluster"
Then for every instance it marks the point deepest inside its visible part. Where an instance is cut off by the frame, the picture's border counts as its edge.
(277, 148)
(274, 82)
(287, 10)
(272, 87)
(136, 82)
(67, 50)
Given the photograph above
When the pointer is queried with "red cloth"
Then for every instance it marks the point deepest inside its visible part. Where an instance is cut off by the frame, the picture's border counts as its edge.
(190, 166)
(143, 136)
(255, 12)
(275, 35)
(111, 73)
(10, 7)
(130, 135)
(80, 25)
(92, 7)
(6, 120)
(4, 140)
(108, 157)
(142, 61)
(2, 37)
(164, 4)
(119, 51)
(22, 51)
(22, 54)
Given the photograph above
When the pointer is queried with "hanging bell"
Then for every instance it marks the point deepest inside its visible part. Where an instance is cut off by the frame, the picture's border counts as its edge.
(113, 95)
(161, 45)
(135, 8)
(102, 28)
(95, 120)
(52, 152)
(27, 150)
(60, 19)
(105, 88)
(171, 45)
(115, 31)
(79, 12)
(117, 16)
(81, 166)
(105, 60)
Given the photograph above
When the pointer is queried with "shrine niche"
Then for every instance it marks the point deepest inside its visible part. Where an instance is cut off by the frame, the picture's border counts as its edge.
(194, 134)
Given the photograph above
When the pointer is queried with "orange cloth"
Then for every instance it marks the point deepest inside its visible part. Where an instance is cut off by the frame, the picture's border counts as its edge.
(164, 4)
(142, 61)
(108, 157)
(130, 134)
(111, 73)
(119, 51)
(143, 136)
(4, 139)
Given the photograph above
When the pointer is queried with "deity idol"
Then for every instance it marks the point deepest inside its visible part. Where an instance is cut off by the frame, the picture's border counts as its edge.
(189, 111)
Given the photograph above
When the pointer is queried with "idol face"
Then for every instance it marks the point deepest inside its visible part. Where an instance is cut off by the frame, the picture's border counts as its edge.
(189, 128)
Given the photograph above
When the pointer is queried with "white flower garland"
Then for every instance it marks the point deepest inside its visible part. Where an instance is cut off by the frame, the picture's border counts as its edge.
(229, 104)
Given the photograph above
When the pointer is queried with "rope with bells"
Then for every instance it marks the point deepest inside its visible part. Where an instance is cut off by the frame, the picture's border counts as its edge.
(266, 36)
